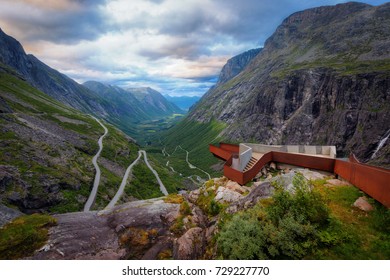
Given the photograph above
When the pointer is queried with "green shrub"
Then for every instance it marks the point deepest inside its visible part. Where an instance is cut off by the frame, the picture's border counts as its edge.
(214, 208)
(288, 228)
(242, 238)
(185, 208)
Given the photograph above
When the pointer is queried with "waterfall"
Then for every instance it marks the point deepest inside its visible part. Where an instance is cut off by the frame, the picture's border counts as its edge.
(381, 143)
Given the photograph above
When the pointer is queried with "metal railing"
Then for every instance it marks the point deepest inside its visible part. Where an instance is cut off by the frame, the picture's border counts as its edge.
(374, 181)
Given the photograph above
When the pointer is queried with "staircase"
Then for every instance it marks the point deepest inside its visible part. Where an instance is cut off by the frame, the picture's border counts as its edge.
(250, 164)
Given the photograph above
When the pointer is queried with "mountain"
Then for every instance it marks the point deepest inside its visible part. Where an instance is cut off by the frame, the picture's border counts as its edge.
(236, 64)
(48, 80)
(113, 104)
(183, 102)
(323, 77)
(46, 151)
(154, 102)
(126, 112)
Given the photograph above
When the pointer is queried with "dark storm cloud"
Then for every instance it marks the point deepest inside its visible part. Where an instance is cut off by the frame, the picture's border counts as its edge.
(82, 21)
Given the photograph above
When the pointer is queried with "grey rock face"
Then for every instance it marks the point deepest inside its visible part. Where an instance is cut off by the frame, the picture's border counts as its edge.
(8, 214)
(191, 245)
(236, 64)
(131, 230)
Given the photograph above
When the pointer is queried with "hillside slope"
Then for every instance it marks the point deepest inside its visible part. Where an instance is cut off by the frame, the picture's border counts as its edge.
(114, 105)
(46, 151)
(322, 78)
(154, 102)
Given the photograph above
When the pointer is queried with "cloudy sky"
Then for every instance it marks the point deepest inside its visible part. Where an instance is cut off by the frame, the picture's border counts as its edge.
(175, 46)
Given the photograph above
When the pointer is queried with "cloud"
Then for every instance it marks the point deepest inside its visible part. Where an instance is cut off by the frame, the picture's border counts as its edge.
(63, 21)
(177, 47)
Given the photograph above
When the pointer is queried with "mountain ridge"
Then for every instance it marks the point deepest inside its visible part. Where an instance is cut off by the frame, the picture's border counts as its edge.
(321, 78)
(119, 108)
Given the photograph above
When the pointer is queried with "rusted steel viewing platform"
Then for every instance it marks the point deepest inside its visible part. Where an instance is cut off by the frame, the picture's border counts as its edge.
(244, 162)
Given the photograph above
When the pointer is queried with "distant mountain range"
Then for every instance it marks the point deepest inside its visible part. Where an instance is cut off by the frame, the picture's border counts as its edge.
(183, 102)
(116, 105)
(322, 78)
(132, 106)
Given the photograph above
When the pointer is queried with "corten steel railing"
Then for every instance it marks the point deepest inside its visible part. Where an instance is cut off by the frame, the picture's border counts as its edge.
(374, 181)
(315, 162)
(234, 174)
(219, 152)
(230, 147)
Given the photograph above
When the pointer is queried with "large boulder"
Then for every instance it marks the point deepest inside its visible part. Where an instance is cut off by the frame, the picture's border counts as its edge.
(260, 191)
(190, 246)
(133, 230)
(363, 204)
(225, 195)
(234, 186)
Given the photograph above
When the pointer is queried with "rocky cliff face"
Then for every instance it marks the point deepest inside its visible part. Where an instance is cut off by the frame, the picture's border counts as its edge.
(322, 78)
(236, 64)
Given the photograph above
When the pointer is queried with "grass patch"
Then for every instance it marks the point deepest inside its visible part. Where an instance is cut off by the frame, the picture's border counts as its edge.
(312, 223)
(195, 137)
(206, 200)
(184, 221)
(342, 66)
(174, 198)
(143, 184)
(24, 235)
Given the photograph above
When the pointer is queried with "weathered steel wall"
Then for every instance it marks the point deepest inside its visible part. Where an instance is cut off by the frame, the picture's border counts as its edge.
(374, 181)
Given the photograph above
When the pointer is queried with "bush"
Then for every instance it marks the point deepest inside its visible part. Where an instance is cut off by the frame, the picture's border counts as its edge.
(214, 208)
(287, 228)
(242, 238)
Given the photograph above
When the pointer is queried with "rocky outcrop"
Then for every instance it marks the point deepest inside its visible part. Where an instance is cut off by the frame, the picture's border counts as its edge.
(310, 86)
(224, 195)
(260, 191)
(8, 214)
(132, 230)
(236, 64)
(190, 246)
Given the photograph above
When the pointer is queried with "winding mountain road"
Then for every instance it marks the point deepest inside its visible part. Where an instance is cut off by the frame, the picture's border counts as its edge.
(121, 189)
(162, 187)
(191, 165)
(119, 193)
(92, 195)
